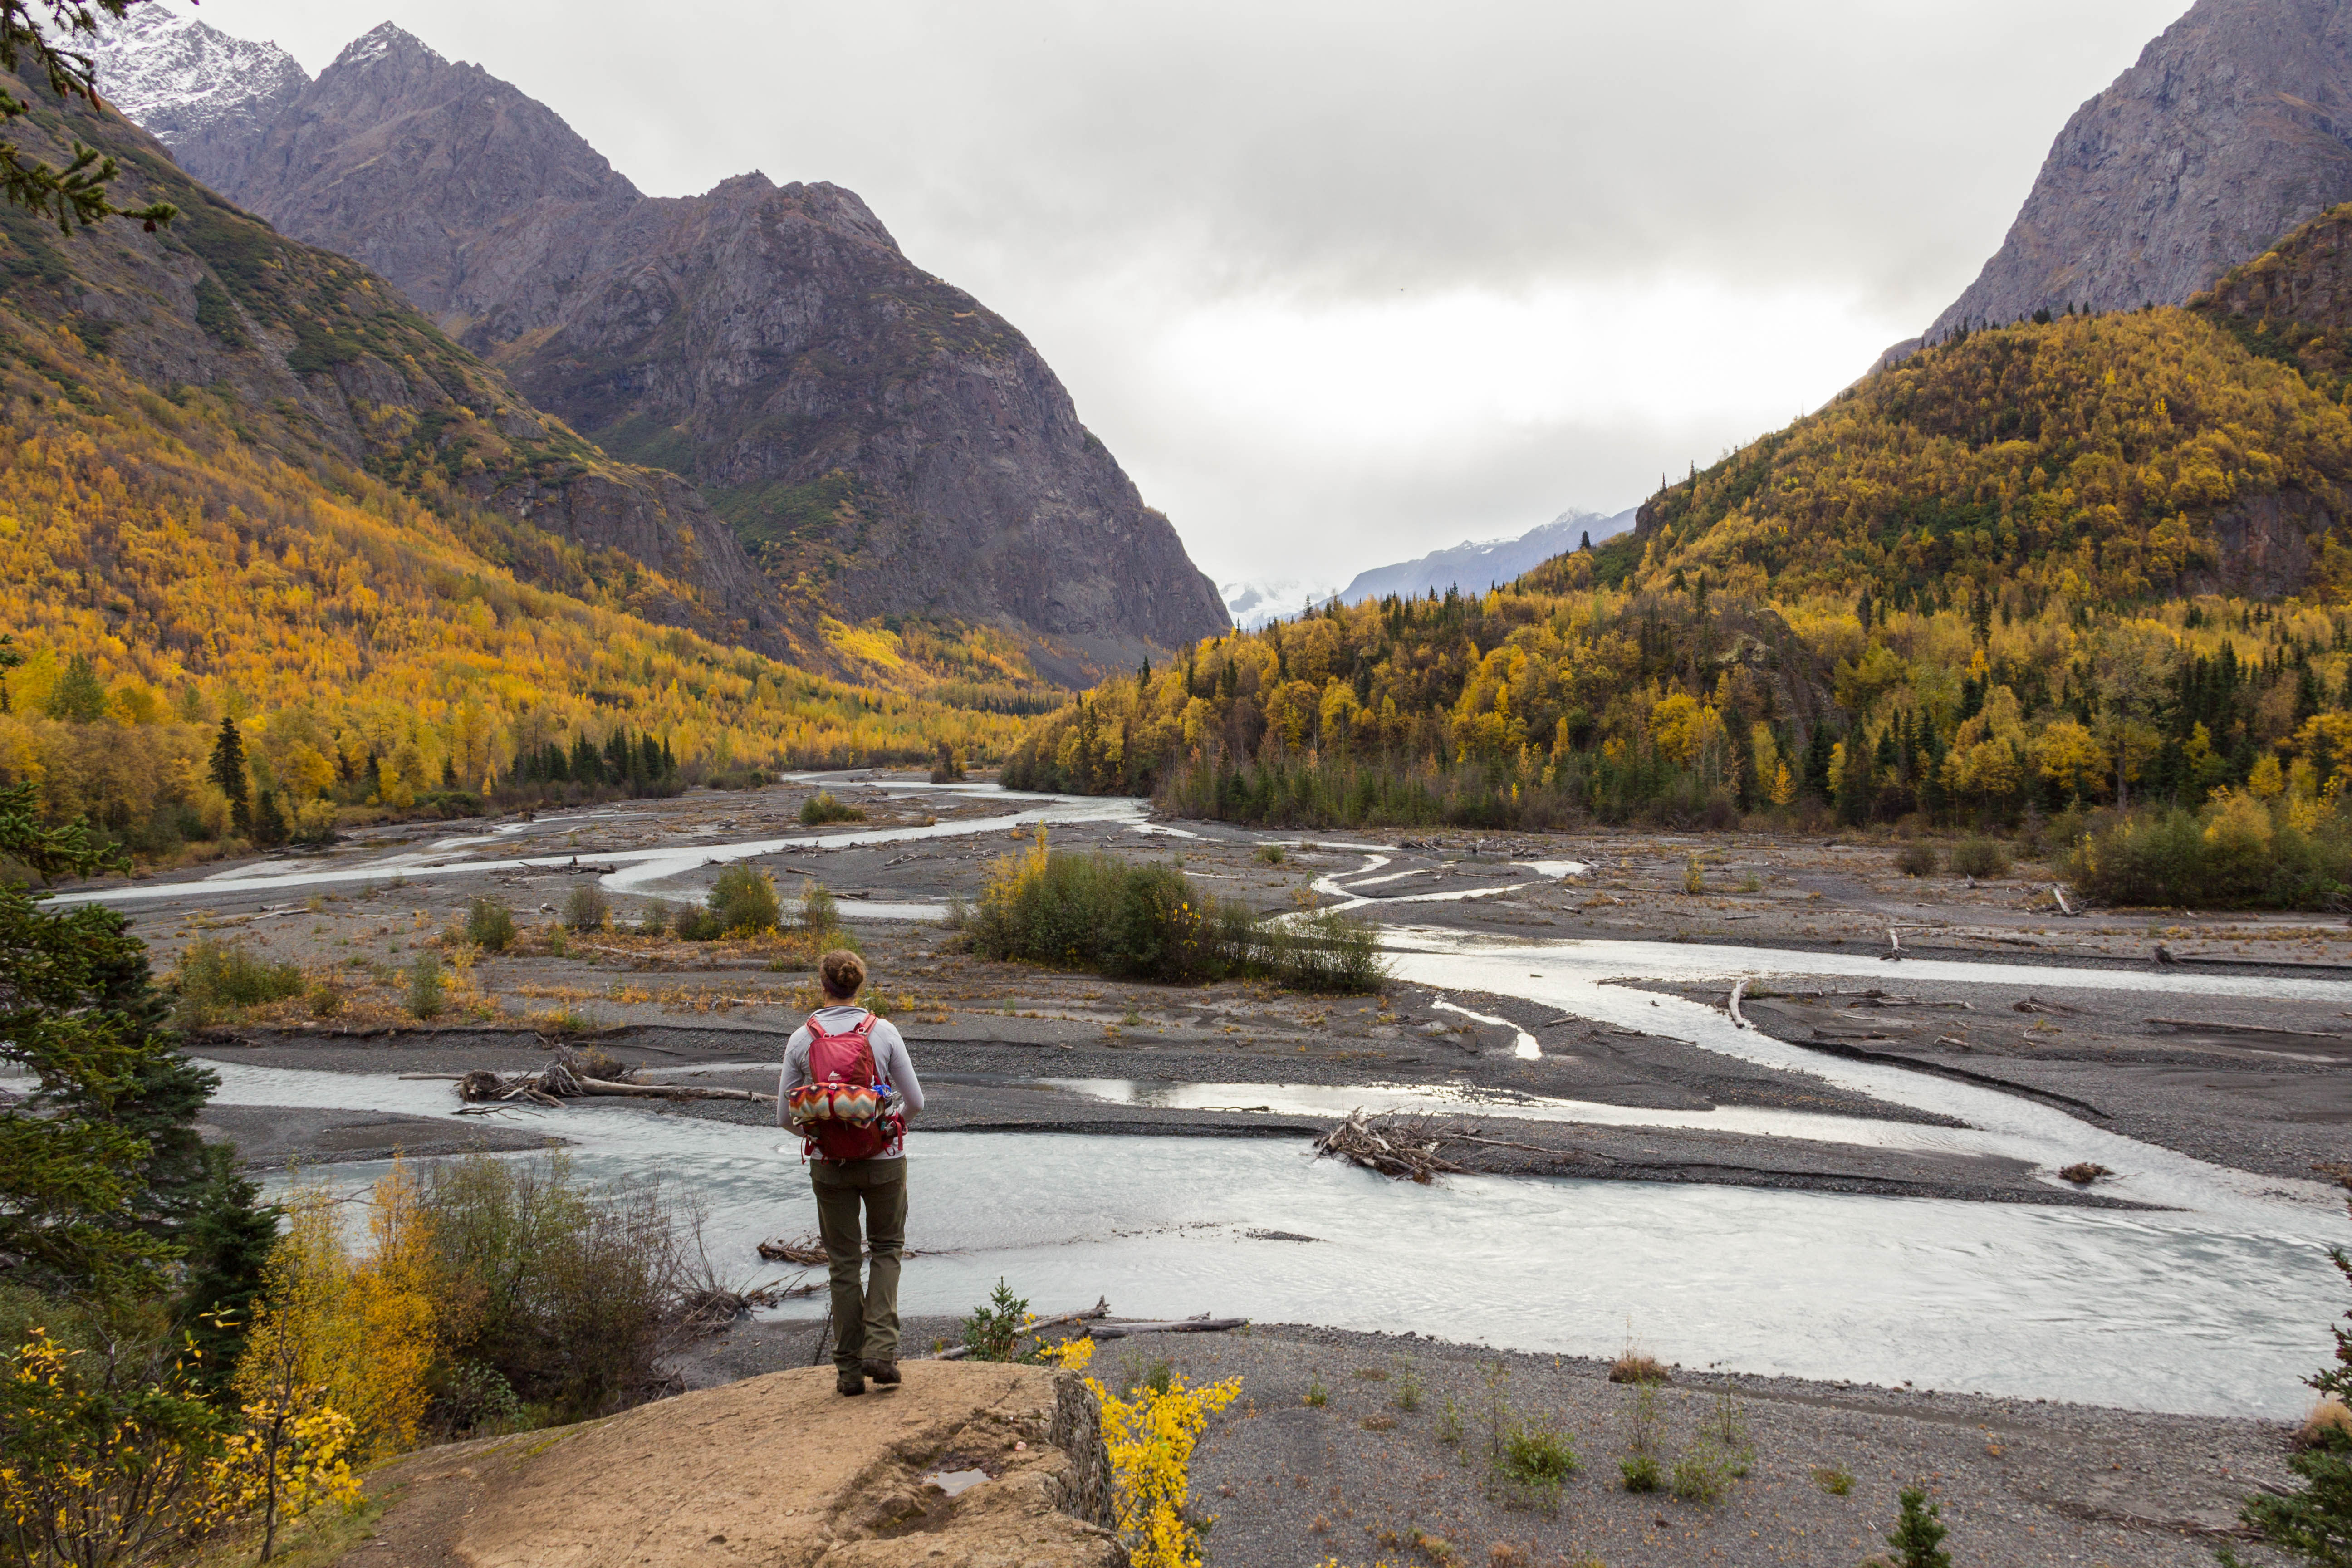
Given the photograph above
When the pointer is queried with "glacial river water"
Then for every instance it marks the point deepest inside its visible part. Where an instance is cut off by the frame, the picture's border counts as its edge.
(2218, 1302)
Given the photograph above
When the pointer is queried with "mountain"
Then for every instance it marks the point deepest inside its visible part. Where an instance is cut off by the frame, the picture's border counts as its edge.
(245, 478)
(2235, 126)
(2294, 303)
(1258, 600)
(201, 92)
(1473, 568)
(881, 443)
(2124, 457)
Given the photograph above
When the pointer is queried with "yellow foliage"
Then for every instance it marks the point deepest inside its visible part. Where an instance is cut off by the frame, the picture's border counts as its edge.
(355, 1335)
(1150, 1435)
(2268, 781)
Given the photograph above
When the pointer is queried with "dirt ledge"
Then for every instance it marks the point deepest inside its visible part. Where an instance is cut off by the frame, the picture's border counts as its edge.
(774, 1470)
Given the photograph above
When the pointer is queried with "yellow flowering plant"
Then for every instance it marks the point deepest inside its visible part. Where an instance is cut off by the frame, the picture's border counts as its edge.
(1150, 1435)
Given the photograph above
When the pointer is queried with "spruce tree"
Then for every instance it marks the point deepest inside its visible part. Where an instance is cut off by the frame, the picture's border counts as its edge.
(101, 1174)
(2316, 1523)
(269, 829)
(228, 771)
(1917, 1537)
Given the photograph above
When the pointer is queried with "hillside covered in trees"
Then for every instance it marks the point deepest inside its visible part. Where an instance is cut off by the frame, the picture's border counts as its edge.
(2075, 563)
(244, 481)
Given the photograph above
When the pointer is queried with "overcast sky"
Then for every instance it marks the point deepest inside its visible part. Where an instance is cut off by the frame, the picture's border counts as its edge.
(1344, 283)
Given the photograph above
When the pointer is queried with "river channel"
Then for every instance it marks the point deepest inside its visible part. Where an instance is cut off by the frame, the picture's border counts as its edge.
(2214, 1299)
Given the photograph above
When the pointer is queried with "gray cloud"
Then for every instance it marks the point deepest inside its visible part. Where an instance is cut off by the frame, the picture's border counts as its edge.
(1104, 173)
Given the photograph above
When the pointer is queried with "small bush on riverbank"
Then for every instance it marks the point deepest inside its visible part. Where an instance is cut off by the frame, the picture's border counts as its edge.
(1979, 857)
(2238, 852)
(744, 902)
(586, 908)
(559, 1289)
(821, 807)
(217, 979)
(1917, 860)
(1098, 912)
(490, 924)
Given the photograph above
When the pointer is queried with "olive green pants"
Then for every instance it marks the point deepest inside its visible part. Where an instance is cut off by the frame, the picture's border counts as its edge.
(865, 1321)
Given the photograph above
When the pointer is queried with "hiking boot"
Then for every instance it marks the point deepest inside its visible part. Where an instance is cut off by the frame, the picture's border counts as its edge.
(850, 1381)
(885, 1372)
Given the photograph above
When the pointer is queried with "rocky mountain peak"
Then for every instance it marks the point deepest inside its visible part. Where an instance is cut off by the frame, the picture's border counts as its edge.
(203, 93)
(2234, 126)
(383, 42)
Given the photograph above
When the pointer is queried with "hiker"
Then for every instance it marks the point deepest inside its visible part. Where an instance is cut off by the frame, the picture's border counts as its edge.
(848, 1087)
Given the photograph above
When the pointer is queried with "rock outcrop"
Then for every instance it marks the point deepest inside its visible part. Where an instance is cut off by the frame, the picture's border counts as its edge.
(2234, 127)
(771, 1470)
(881, 442)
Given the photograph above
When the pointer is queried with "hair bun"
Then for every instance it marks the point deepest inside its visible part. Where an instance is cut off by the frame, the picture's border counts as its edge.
(841, 971)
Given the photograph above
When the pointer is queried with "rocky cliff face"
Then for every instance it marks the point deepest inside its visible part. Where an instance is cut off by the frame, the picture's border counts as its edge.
(880, 441)
(2235, 126)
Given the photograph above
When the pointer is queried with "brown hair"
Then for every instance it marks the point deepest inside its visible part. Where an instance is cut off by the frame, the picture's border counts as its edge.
(841, 971)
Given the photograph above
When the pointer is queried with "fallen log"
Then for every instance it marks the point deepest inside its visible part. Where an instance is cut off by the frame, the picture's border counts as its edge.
(669, 1090)
(1738, 1019)
(1179, 1326)
(568, 1078)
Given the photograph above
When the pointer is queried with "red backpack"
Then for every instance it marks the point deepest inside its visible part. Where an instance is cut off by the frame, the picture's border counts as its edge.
(832, 1126)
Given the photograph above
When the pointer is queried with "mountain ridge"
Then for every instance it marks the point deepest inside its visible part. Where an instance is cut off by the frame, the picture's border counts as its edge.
(882, 444)
(2233, 127)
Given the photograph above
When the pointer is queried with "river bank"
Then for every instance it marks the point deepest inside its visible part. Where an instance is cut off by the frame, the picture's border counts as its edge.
(1345, 1444)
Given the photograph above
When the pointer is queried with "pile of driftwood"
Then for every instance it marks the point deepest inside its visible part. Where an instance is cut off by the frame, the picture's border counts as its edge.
(572, 1075)
(1392, 1145)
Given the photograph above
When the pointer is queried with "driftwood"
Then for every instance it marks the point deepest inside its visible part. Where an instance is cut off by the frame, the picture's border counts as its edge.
(1738, 1019)
(568, 1078)
(1389, 1144)
(1179, 1326)
(806, 1250)
(2069, 911)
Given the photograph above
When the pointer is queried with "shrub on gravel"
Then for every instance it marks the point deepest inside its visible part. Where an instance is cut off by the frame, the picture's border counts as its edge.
(1916, 860)
(2238, 852)
(490, 924)
(1979, 857)
(587, 909)
(821, 807)
(744, 902)
(1098, 912)
(654, 919)
(217, 978)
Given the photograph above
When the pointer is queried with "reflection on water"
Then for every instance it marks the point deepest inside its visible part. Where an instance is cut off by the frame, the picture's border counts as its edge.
(2169, 1311)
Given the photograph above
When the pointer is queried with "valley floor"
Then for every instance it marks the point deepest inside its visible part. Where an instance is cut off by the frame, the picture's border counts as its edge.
(2234, 1054)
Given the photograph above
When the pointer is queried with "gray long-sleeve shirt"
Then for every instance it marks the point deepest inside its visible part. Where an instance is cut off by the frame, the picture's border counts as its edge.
(891, 1063)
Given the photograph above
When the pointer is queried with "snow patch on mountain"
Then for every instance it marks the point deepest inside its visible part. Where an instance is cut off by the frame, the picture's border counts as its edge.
(181, 79)
(379, 41)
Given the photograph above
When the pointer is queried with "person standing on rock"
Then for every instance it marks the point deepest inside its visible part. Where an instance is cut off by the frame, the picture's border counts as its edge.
(848, 1087)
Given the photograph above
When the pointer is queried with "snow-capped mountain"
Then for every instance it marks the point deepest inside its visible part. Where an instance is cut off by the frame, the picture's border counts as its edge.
(1256, 601)
(195, 88)
(1473, 567)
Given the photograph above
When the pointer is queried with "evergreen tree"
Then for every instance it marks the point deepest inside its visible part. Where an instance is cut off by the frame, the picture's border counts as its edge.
(269, 828)
(228, 771)
(1917, 1537)
(101, 1174)
(2316, 1523)
(1817, 762)
(79, 697)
